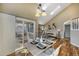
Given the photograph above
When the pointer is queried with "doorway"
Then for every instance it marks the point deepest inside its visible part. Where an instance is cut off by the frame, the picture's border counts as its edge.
(67, 31)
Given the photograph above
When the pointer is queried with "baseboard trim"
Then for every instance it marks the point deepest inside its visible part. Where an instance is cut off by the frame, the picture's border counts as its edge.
(74, 44)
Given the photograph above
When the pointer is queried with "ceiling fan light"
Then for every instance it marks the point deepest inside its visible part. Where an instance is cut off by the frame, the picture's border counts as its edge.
(44, 14)
(38, 11)
(37, 15)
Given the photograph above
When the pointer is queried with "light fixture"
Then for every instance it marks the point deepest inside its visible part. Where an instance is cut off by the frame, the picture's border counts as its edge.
(40, 11)
(44, 13)
(37, 15)
(55, 10)
(45, 5)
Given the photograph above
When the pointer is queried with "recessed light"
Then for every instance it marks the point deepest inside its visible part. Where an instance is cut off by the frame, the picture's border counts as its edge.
(55, 10)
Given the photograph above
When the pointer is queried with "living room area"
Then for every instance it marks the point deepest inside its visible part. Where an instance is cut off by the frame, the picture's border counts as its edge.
(39, 29)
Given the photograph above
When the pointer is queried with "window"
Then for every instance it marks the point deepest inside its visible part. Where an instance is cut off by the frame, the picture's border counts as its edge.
(75, 24)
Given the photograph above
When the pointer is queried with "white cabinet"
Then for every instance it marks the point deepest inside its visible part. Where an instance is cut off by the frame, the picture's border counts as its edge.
(13, 29)
(8, 43)
(25, 30)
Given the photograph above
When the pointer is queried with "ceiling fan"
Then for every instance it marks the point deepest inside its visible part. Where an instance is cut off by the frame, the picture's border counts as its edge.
(40, 11)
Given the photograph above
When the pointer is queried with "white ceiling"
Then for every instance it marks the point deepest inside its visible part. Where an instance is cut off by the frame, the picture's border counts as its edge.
(28, 10)
(50, 8)
(25, 10)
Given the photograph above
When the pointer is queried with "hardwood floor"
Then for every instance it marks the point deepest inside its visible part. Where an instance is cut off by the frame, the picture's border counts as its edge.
(67, 49)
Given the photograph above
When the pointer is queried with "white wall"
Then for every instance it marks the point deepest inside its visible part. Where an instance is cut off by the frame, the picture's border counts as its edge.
(8, 43)
(75, 38)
